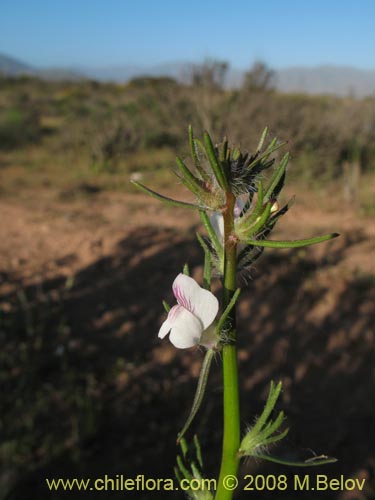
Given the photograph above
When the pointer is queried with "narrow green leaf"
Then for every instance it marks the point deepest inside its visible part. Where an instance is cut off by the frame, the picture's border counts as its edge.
(201, 387)
(224, 150)
(271, 427)
(207, 263)
(252, 215)
(224, 158)
(271, 149)
(274, 439)
(275, 179)
(270, 404)
(306, 463)
(236, 154)
(262, 139)
(183, 469)
(177, 474)
(184, 447)
(193, 149)
(186, 270)
(259, 223)
(214, 162)
(165, 199)
(293, 243)
(217, 245)
(191, 181)
(194, 155)
(227, 310)
(198, 451)
(195, 470)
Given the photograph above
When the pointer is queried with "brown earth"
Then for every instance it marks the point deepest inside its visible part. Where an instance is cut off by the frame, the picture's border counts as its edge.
(107, 260)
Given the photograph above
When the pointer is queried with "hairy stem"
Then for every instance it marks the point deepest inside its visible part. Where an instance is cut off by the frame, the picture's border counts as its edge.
(231, 431)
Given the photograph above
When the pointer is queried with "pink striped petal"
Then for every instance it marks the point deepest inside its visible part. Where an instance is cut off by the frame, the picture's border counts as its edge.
(185, 329)
(200, 302)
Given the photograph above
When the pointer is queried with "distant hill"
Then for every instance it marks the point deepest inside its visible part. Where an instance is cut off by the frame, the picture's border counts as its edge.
(334, 80)
(12, 67)
(328, 79)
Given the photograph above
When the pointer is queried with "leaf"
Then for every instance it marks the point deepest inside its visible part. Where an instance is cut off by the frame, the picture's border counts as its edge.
(227, 310)
(191, 182)
(193, 149)
(307, 463)
(270, 404)
(277, 180)
(215, 163)
(271, 149)
(207, 263)
(165, 199)
(198, 451)
(201, 388)
(292, 243)
(261, 222)
(262, 139)
(218, 247)
(274, 439)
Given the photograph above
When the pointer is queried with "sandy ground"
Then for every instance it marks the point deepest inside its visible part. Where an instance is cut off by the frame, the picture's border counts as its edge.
(306, 318)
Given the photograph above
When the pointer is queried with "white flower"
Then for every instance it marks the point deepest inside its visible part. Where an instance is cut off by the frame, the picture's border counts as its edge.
(189, 320)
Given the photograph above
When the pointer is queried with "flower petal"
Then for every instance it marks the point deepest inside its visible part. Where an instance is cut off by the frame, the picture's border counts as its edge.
(185, 328)
(217, 223)
(202, 303)
(186, 331)
(239, 206)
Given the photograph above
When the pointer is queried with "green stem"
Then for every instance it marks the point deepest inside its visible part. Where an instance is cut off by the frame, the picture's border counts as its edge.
(231, 406)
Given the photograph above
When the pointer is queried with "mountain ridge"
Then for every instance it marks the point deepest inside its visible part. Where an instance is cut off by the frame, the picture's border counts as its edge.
(322, 79)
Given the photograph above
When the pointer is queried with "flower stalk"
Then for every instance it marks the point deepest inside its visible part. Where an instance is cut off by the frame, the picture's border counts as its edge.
(231, 402)
(239, 212)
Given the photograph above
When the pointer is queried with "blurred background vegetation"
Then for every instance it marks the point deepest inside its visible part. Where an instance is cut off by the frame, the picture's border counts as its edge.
(112, 127)
(78, 369)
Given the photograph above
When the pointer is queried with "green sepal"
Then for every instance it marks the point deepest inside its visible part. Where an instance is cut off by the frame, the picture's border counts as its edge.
(165, 199)
(166, 306)
(186, 270)
(292, 243)
(215, 163)
(199, 394)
